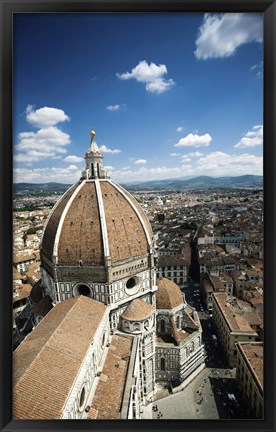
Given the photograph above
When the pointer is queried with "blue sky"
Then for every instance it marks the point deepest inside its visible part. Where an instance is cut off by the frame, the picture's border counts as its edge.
(168, 94)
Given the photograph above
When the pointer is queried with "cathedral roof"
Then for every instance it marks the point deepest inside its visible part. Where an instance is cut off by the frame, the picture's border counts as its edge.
(51, 357)
(114, 375)
(137, 310)
(94, 220)
(168, 294)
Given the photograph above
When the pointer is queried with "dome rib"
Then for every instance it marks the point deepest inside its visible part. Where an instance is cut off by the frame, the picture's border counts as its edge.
(51, 226)
(102, 219)
(64, 213)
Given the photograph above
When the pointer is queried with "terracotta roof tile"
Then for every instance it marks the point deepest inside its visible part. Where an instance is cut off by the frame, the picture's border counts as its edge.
(109, 394)
(137, 310)
(168, 295)
(253, 352)
(126, 235)
(47, 361)
(81, 236)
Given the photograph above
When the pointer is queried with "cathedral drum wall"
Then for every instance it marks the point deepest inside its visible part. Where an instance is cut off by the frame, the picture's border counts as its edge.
(116, 293)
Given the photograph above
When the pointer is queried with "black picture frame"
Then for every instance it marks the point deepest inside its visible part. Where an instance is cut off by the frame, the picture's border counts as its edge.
(8, 8)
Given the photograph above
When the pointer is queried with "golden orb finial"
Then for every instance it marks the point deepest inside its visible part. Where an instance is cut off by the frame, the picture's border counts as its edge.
(92, 133)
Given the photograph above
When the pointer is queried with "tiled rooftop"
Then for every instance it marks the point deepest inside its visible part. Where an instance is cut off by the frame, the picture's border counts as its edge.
(237, 322)
(253, 352)
(46, 364)
(168, 294)
(107, 401)
(137, 310)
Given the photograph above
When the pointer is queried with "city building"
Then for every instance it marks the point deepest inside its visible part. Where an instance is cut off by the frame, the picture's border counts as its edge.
(22, 262)
(215, 282)
(249, 376)
(175, 268)
(231, 324)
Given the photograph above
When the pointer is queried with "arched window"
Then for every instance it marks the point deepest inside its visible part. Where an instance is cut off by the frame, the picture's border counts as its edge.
(162, 364)
(178, 321)
(162, 326)
(136, 326)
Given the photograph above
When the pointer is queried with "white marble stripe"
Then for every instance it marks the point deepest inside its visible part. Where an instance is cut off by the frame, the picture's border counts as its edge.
(55, 251)
(52, 211)
(102, 218)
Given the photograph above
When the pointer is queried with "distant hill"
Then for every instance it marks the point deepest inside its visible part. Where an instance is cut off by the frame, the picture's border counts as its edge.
(202, 182)
(40, 188)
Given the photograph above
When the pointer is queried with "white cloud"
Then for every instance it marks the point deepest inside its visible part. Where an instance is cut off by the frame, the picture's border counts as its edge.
(44, 117)
(72, 168)
(213, 164)
(104, 149)
(46, 142)
(73, 159)
(223, 164)
(144, 174)
(185, 158)
(221, 34)
(188, 157)
(251, 138)
(113, 107)
(68, 175)
(258, 68)
(150, 74)
(196, 154)
(140, 161)
(109, 168)
(194, 140)
(179, 129)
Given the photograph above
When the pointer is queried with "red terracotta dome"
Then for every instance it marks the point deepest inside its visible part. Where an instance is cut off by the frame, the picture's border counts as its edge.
(168, 294)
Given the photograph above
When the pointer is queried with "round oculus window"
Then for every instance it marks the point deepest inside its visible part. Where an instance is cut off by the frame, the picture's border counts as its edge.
(132, 285)
(82, 289)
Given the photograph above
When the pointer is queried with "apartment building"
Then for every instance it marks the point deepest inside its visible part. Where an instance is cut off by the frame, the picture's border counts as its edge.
(249, 376)
(231, 324)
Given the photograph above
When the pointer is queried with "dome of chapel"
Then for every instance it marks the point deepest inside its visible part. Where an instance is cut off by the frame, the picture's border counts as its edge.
(168, 294)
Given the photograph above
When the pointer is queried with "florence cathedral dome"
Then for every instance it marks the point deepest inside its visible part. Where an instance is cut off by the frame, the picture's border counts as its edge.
(96, 219)
(96, 233)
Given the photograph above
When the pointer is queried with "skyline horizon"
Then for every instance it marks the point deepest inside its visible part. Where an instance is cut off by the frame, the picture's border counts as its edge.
(156, 179)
